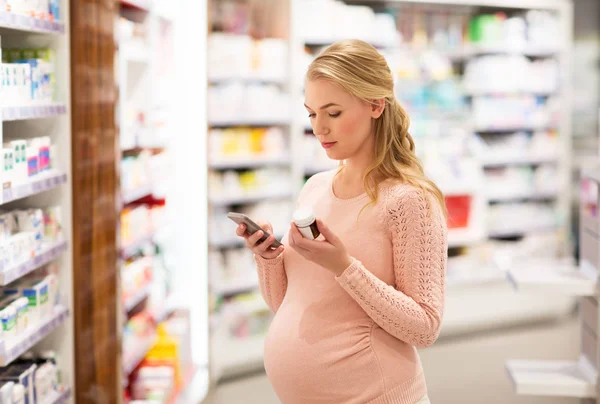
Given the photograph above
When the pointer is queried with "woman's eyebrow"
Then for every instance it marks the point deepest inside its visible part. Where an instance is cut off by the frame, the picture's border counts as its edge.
(331, 104)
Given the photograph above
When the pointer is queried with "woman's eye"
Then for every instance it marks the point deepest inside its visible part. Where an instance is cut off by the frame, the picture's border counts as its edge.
(335, 115)
(311, 115)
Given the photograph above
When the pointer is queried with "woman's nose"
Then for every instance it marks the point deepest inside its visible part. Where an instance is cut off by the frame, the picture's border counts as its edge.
(319, 127)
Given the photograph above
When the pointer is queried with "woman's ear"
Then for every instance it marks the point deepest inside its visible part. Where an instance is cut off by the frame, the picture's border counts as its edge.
(377, 108)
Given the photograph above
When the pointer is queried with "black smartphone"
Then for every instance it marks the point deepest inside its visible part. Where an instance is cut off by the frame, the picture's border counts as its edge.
(251, 227)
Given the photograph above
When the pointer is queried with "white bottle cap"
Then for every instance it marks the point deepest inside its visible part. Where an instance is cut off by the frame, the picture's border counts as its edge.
(304, 217)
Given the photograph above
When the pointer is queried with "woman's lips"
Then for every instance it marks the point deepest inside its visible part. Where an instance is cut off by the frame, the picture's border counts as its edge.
(327, 145)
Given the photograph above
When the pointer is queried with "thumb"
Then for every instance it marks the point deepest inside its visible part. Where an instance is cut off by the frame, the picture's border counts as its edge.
(327, 233)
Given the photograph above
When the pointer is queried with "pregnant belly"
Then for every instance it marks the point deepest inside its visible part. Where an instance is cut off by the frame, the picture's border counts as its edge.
(321, 361)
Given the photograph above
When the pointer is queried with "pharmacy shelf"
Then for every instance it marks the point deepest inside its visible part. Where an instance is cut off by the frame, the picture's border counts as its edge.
(529, 50)
(58, 397)
(19, 22)
(235, 286)
(512, 129)
(239, 356)
(481, 277)
(266, 122)
(132, 359)
(553, 378)
(518, 232)
(136, 194)
(248, 79)
(233, 163)
(40, 183)
(135, 246)
(572, 282)
(13, 347)
(500, 161)
(531, 196)
(250, 198)
(48, 254)
(464, 237)
(135, 299)
(508, 93)
(33, 112)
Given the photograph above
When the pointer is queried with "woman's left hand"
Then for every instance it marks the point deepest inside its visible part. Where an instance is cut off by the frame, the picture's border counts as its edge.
(329, 253)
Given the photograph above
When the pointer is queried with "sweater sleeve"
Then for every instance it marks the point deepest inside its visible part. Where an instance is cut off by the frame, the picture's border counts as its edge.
(272, 280)
(412, 309)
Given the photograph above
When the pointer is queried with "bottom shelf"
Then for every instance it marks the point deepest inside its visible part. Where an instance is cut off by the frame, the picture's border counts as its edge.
(493, 304)
(553, 378)
(238, 356)
(59, 397)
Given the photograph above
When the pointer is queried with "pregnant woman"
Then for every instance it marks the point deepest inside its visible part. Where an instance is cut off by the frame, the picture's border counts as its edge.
(352, 307)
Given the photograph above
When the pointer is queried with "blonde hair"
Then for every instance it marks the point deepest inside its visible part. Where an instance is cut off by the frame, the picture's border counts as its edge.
(363, 72)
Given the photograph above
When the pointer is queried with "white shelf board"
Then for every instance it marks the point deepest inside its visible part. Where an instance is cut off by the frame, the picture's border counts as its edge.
(513, 128)
(26, 23)
(237, 356)
(196, 390)
(137, 297)
(527, 50)
(248, 79)
(464, 237)
(138, 193)
(33, 112)
(132, 359)
(508, 93)
(483, 277)
(40, 183)
(58, 397)
(256, 122)
(247, 199)
(235, 286)
(552, 378)
(248, 162)
(518, 232)
(329, 40)
(570, 282)
(532, 196)
(48, 253)
(13, 347)
(499, 161)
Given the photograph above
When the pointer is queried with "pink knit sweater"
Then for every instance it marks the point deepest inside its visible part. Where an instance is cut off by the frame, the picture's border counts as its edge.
(351, 339)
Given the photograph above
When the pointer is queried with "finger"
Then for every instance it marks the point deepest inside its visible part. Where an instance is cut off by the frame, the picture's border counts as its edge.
(253, 239)
(270, 254)
(326, 232)
(265, 245)
(241, 230)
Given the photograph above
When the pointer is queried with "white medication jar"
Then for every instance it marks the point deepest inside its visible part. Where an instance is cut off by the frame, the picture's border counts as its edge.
(305, 220)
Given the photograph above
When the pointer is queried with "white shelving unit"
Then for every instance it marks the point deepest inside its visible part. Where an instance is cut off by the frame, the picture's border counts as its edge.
(577, 378)
(51, 188)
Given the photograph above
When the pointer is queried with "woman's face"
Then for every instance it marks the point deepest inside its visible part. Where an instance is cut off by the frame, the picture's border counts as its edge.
(341, 122)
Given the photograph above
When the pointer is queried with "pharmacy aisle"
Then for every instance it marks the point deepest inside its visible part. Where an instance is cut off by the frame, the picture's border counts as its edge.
(499, 149)
(158, 364)
(36, 337)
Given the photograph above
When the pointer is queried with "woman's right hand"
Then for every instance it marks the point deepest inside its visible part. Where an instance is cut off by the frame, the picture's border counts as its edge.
(252, 241)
